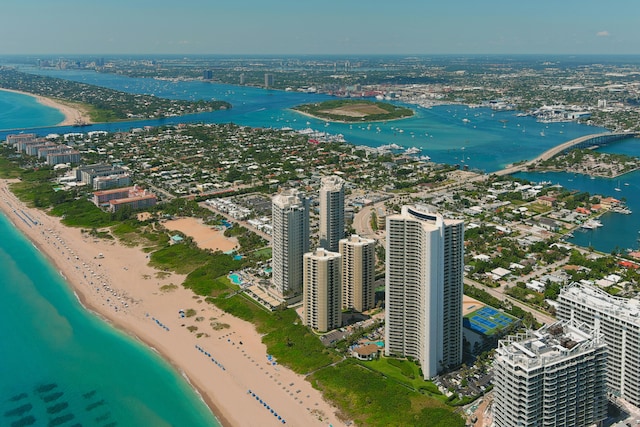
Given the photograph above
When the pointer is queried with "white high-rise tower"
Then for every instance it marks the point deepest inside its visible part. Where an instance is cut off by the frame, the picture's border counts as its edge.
(618, 320)
(331, 212)
(424, 284)
(551, 377)
(290, 241)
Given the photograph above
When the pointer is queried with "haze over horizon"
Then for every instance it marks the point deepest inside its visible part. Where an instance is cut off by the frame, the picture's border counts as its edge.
(250, 27)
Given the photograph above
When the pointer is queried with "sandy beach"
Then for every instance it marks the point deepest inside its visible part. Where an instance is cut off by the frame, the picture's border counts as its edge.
(224, 358)
(72, 114)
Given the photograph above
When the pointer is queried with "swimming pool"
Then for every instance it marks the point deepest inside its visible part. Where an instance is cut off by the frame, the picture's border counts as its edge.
(235, 278)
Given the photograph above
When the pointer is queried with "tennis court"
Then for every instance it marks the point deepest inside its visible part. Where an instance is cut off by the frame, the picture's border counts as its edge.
(487, 320)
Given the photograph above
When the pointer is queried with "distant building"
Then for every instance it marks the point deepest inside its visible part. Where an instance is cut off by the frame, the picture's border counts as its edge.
(358, 273)
(102, 198)
(88, 173)
(268, 80)
(67, 155)
(19, 139)
(207, 75)
(618, 319)
(554, 376)
(424, 272)
(33, 148)
(321, 295)
(242, 79)
(331, 212)
(116, 199)
(289, 241)
(136, 202)
(111, 181)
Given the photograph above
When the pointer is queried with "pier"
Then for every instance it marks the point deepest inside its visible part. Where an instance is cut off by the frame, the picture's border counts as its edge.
(587, 141)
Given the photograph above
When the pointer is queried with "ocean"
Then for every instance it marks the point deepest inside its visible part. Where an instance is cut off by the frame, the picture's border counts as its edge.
(63, 365)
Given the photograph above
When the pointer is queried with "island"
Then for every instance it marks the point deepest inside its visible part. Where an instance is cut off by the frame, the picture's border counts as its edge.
(347, 110)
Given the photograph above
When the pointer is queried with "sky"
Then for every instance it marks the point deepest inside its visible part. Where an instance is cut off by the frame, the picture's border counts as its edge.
(320, 27)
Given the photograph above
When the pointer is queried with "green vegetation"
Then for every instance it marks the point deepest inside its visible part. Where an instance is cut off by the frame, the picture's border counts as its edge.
(370, 399)
(180, 258)
(355, 111)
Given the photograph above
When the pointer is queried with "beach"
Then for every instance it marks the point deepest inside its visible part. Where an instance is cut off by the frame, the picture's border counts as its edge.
(223, 359)
(72, 113)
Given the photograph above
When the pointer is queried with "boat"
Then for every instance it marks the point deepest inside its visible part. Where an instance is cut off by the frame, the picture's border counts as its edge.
(591, 224)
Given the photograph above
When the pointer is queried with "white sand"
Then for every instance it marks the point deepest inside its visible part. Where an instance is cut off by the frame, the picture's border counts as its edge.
(121, 287)
(205, 236)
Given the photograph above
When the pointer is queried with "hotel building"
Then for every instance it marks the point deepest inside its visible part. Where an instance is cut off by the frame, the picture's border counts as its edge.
(321, 295)
(358, 273)
(618, 320)
(331, 212)
(554, 376)
(289, 241)
(87, 174)
(424, 273)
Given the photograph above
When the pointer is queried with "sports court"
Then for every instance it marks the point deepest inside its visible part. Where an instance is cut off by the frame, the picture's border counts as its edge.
(487, 320)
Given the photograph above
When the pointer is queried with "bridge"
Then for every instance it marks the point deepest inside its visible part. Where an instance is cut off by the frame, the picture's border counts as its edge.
(587, 141)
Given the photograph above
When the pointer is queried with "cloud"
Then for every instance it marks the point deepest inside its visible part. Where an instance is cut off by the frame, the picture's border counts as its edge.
(603, 34)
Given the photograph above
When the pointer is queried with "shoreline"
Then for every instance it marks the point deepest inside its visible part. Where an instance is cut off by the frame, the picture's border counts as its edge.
(72, 115)
(136, 300)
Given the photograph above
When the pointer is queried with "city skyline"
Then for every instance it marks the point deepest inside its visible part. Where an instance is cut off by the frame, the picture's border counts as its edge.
(281, 27)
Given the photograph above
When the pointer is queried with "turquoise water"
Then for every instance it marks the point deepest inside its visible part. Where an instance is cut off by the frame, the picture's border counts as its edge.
(235, 278)
(20, 111)
(61, 363)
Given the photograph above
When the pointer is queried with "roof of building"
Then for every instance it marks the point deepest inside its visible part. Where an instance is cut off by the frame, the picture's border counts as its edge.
(367, 350)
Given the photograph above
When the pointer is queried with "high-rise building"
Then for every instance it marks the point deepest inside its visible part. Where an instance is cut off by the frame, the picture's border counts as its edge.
(358, 273)
(424, 274)
(207, 74)
(289, 241)
(618, 320)
(331, 212)
(268, 80)
(554, 376)
(321, 295)
(242, 79)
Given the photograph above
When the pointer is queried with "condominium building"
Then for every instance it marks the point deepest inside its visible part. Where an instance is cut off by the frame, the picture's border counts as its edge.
(88, 173)
(116, 199)
(554, 376)
(331, 212)
(618, 320)
(268, 80)
(321, 295)
(358, 273)
(21, 138)
(289, 241)
(424, 273)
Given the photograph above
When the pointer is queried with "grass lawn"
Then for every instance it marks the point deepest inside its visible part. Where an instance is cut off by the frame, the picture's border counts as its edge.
(370, 399)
